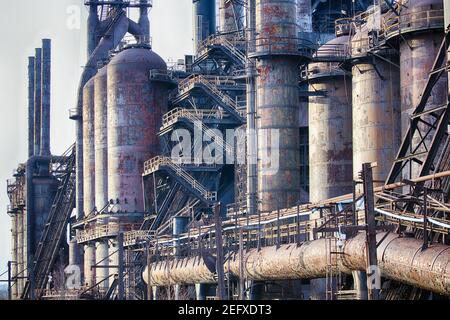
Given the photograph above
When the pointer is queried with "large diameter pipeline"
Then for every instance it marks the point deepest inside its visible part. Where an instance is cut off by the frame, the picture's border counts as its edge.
(400, 259)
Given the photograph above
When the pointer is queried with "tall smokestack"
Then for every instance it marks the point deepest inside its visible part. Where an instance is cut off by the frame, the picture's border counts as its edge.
(92, 25)
(37, 100)
(45, 101)
(30, 107)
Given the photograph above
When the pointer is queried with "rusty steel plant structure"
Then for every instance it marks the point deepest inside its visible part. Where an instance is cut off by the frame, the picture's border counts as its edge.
(356, 209)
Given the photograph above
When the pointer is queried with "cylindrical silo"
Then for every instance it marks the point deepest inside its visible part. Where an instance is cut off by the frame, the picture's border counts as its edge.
(102, 261)
(135, 109)
(101, 138)
(89, 263)
(330, 123)
(376, 106)
(277, 59)
(88, 147)
(231, 15)
(419, 32)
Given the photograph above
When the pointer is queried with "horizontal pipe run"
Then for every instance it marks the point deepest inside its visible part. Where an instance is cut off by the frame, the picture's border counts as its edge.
(400, 259)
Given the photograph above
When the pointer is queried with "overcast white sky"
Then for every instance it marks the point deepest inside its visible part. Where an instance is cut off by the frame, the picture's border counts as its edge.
(22, 26)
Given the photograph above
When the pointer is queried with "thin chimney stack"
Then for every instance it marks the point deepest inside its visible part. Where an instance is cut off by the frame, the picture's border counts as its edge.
(39, 96)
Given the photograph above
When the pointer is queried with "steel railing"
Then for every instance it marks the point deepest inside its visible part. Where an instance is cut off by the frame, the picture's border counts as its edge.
(211, 83)
(154, 164)
(414, 20)
(197, 117)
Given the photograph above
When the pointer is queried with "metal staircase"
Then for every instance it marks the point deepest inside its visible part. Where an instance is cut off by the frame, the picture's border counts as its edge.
(197, 117)
(229, 48)
(53, 233)
(210, 85)
(182, 176)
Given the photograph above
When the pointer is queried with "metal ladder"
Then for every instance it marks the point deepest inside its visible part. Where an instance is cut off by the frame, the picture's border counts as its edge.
(53, 233)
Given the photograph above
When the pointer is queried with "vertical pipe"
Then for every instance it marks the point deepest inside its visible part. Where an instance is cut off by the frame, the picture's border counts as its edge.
(179, 227)
(79, 166)
(9, 281)
(92, 26)
(74, 253)
(219, 254)
(144, 21)
(37, 100)
(252, 144)
(14, 255)
(20, 251)
(88, 147)
(89, 263)
(447, 30)
(101, 138)
(120, 254)
(360, 284)
(102, 261)
(45, 100)
(30, 106)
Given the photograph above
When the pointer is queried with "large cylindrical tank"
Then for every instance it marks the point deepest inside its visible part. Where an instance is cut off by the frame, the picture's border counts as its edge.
(135, 109)
(231, 15)
(101, 138)
(330, 124)
(204, 12)
(376, 107)
(278, 144)
(276, 27)
(420, 33)
(88, 147)
(277, 92)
